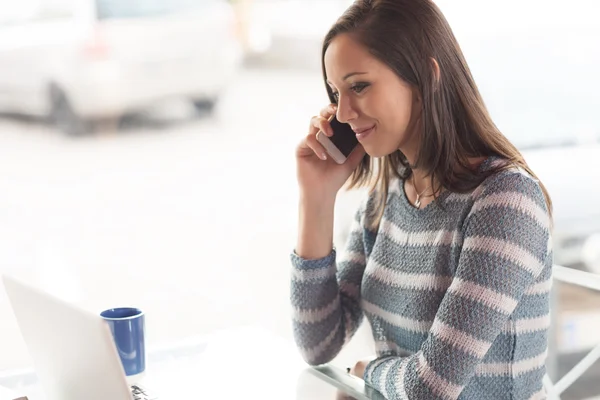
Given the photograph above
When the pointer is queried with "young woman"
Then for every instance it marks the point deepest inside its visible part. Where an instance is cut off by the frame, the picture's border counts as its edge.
(450, 254)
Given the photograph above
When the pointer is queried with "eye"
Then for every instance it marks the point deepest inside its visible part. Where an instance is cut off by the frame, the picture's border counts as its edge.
(359, 87)
(356, 88)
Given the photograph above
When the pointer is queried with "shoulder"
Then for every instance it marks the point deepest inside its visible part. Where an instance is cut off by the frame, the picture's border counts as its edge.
(512, 182)
(515, 192)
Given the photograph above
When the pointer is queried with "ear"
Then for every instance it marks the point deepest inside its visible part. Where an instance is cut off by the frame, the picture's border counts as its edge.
(436, 70)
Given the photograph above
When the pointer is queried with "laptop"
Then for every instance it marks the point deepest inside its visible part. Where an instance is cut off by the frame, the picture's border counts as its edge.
(72, 349)
(75, 358)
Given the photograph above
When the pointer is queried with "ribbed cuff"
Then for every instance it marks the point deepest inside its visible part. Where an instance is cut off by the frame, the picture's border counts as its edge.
(305, 264)
(372, 367)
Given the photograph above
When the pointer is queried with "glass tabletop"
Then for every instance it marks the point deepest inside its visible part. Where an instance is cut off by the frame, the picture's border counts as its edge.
(234, 363)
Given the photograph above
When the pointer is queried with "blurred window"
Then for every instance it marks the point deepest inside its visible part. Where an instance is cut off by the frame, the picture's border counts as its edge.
(121, 9)
(23, 12)
(537, 73)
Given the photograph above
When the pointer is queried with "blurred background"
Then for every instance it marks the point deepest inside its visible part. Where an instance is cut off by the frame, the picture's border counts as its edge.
(146, 152)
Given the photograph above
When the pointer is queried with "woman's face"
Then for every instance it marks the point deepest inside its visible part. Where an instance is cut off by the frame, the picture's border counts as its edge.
(381, 108)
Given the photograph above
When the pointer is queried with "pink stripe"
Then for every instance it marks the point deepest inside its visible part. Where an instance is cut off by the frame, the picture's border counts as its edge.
(540, 288)
(527, 325)
(504, 249)
(512, 369)
(517, 202)
(427, 238)
(438, 385)
(350, 289)
(493, 369)
(462, 340)
(481, 294)
(529, 364)
(350, 256)
(316, 275)
(409, 324)
(318, 315)
(400, 279)
(533, 324)
(314, 353)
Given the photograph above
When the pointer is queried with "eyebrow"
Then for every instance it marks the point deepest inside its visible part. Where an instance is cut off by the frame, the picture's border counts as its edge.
(349, 75)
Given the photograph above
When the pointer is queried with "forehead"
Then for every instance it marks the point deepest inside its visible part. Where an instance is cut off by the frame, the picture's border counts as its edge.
(345, 55)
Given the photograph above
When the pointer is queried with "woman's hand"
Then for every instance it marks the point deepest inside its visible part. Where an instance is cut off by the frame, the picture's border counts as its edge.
(318, 175)
(359, 368)
(359, 371)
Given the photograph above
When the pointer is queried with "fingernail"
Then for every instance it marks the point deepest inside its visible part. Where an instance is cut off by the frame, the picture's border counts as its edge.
(323, 156)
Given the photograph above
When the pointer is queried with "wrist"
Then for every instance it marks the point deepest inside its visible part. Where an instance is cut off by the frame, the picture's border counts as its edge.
(317, 200)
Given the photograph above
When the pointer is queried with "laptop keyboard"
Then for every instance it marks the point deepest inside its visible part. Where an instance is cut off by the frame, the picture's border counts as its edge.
(140, 393)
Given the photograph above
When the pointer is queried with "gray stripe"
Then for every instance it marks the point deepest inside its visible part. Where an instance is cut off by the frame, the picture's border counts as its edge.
(413, 259)
(411, 340)
(533, 307)
(433, 344)
(449, 313)
(310, 295)
(494, 264)
(529, 345)
(413, 304)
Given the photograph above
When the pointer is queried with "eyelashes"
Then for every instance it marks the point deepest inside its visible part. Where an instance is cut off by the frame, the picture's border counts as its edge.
(356, 88)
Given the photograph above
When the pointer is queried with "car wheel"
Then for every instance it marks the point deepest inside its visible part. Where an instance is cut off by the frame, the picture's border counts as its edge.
(63, 116)
(204, 105)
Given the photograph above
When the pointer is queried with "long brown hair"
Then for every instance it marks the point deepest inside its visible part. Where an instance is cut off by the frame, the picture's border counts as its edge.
(406, 35)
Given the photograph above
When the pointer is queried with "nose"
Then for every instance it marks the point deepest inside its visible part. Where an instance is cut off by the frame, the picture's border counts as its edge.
(346, 111)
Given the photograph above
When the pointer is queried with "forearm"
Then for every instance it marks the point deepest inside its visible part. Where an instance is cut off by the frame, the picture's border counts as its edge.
(325, 290)
(315, 228)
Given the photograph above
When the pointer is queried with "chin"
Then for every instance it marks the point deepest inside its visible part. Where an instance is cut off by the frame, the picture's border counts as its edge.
(378, 152)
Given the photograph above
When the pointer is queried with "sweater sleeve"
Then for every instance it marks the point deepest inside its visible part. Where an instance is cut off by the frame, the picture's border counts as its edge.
(506, 246)
(325, 297)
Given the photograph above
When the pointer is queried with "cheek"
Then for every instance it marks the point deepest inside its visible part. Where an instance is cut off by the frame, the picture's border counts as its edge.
(399, 117)
(395, 109)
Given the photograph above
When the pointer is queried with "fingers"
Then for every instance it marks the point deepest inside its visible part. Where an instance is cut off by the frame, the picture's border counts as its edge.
(318, 123)
(328, 111)
(321, 122)
(316, 147)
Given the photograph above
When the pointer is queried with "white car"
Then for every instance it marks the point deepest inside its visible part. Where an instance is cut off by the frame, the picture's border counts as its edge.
(80, 60)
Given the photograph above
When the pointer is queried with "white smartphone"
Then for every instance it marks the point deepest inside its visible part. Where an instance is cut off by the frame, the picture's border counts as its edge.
(341, 143)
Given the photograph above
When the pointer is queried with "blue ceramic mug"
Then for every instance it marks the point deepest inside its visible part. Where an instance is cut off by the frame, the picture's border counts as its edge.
(127, 327)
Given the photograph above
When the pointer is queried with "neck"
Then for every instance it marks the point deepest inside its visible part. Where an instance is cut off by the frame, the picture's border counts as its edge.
(422, 181)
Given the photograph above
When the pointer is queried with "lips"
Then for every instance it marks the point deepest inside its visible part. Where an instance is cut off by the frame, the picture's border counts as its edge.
(359, 131)
(362, 133)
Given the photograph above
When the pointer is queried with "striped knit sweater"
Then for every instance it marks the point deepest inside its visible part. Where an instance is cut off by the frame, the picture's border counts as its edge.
(457, 293)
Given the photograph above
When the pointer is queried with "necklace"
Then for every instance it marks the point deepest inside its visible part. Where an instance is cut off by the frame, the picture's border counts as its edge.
(418, 201)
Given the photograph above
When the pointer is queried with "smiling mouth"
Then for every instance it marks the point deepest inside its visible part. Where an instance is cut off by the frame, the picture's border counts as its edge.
(363, 133)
